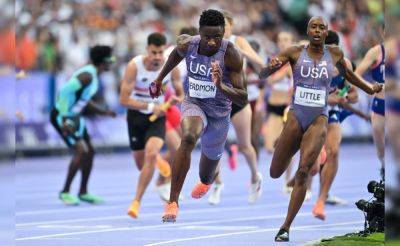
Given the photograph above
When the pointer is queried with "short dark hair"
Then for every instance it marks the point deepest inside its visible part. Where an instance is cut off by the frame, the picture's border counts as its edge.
(99, 53)
(157, 39)
(190, 30)
(332, 38)
(211, 17)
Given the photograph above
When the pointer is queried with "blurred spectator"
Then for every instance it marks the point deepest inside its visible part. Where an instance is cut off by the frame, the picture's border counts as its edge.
(26, 50)
(64, 30)
(79, 56)
(49, 57)
(125, 24)
(7, 45)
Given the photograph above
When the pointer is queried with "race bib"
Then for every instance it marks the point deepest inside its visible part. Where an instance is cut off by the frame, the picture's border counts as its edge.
(201, 89)
(310, 97)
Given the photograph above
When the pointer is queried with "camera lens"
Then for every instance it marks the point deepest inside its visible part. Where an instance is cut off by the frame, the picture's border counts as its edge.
(362, 205)
(372, 186)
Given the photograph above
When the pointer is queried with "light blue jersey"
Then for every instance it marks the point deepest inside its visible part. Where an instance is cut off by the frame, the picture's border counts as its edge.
(71, 99)
(73, 96)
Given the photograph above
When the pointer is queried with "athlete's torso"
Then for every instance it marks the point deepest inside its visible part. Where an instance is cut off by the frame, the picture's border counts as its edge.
(73, 97)
(312, 80)
(143, 79)
(198, 85)
(378, 70)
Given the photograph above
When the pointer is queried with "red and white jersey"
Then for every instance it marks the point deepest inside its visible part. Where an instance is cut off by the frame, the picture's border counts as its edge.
(143, 79)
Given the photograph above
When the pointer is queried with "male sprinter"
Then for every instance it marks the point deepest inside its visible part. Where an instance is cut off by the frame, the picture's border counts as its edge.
(214, 81)
(67, 120)
(146, 137)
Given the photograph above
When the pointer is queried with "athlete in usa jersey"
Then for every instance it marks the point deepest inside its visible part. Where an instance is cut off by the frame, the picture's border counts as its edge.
(215, 80)
(241, 117)
(306, 127)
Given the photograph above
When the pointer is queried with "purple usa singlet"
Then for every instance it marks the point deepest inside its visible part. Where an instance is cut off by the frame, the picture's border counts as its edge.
(312, 79)
(198, 85)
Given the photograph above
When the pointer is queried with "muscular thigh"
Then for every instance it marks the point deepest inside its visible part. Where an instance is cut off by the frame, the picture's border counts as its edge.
(192, 125)
(194, 120)
(313, 140)
(288, 143)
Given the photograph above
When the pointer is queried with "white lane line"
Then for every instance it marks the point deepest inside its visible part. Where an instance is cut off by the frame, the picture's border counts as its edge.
(192, 211)
(252, 231)
(51, 194)
(115, 191)
(70, 210)
(168, 226)
(123, 217)
(69, 227)
(73, 233)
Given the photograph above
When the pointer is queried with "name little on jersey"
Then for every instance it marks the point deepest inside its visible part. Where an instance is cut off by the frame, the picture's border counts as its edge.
(310, 96)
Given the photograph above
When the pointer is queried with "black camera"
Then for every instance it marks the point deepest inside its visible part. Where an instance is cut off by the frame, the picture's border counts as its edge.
(374, 209)
(378, 189)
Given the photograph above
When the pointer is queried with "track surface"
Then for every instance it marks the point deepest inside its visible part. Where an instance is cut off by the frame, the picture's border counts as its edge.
(42, 220)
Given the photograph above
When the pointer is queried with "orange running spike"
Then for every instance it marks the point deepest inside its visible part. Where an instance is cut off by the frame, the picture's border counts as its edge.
(200, 190)
(170, 212)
